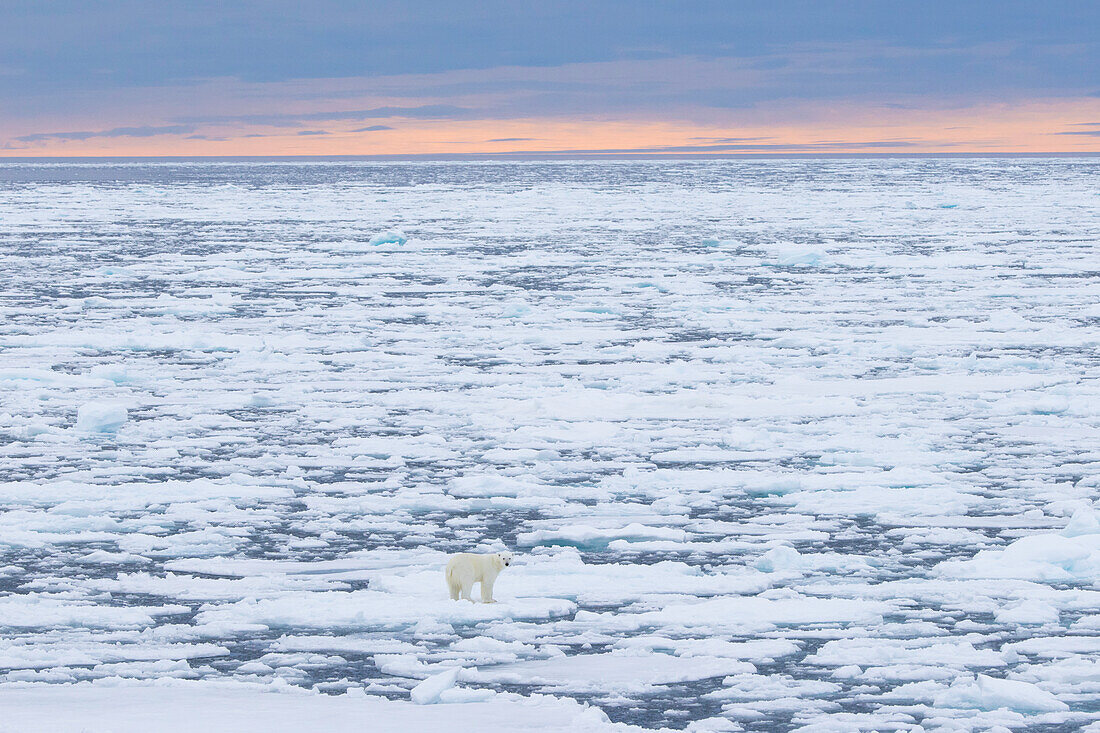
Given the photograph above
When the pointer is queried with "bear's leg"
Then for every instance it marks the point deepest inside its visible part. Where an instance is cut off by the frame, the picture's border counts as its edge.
(454, 589)
(467, 588)
(487, 591)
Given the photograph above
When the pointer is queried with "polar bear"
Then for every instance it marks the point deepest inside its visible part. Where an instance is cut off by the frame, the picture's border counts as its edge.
(466, 568)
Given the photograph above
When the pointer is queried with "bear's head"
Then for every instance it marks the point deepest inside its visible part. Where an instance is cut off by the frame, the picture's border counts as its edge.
(505, 558)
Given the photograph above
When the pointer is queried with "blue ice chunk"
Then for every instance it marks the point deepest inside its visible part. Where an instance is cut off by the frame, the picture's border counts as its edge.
(101, 417)
(388, 237)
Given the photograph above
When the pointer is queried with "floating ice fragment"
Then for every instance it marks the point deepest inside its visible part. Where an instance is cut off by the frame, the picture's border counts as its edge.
(95, 301)
(620, 671)
(1028, 612)
(466, 695)
(179, 706)
(114, 271)
(1083, 521)
(848, 671)
(798, 257)
(591, 716)
(990, 693)
(1043, 557)
(1087, 623)
(1041, 405)
(428, 628)
(113, 372)
(518, 309)
(774, 487)
(782, 557)
(388, 237)
(100, 417)
(429, 691)
(1007, 320)
(254, 668)
(910, 653)
(584, 536)
(103, 557)
(369, 609)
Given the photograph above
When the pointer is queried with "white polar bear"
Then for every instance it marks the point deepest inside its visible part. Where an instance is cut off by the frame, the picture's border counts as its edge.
(466, 568)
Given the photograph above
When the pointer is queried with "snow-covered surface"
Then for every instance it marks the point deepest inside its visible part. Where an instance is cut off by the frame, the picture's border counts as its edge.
(778, 444)
(188, 707)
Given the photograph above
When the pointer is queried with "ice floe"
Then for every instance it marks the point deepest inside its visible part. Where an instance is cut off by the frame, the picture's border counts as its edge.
(779, 445)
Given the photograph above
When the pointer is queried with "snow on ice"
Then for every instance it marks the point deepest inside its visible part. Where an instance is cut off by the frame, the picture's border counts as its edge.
(781, 445)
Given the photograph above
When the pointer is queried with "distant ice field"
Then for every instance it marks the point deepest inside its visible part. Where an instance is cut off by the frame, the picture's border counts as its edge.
(778, 444)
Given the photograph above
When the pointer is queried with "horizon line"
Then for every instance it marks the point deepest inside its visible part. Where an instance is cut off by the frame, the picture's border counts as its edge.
(548, 156)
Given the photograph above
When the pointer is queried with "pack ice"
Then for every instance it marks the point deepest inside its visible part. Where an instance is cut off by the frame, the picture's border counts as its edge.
(780, 445)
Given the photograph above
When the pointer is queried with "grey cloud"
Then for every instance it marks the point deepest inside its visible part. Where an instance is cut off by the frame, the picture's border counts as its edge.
(422, 112)
(144, 131)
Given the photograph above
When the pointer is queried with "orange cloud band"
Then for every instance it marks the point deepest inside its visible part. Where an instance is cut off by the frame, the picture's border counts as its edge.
(1033, 127)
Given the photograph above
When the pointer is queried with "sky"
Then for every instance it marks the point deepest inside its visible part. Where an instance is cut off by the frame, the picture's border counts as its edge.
(551, 78)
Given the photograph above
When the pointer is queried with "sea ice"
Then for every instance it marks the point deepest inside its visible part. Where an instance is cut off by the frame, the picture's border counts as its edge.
(807, 475)
(184, 707)
(586, 536)
(1028, 612)
(798, 257)
(429, 691)
(101, 417)
(389, 236)
(990, 693)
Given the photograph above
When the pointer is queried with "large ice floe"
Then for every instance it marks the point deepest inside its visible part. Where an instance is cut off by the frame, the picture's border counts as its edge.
(779, 445)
